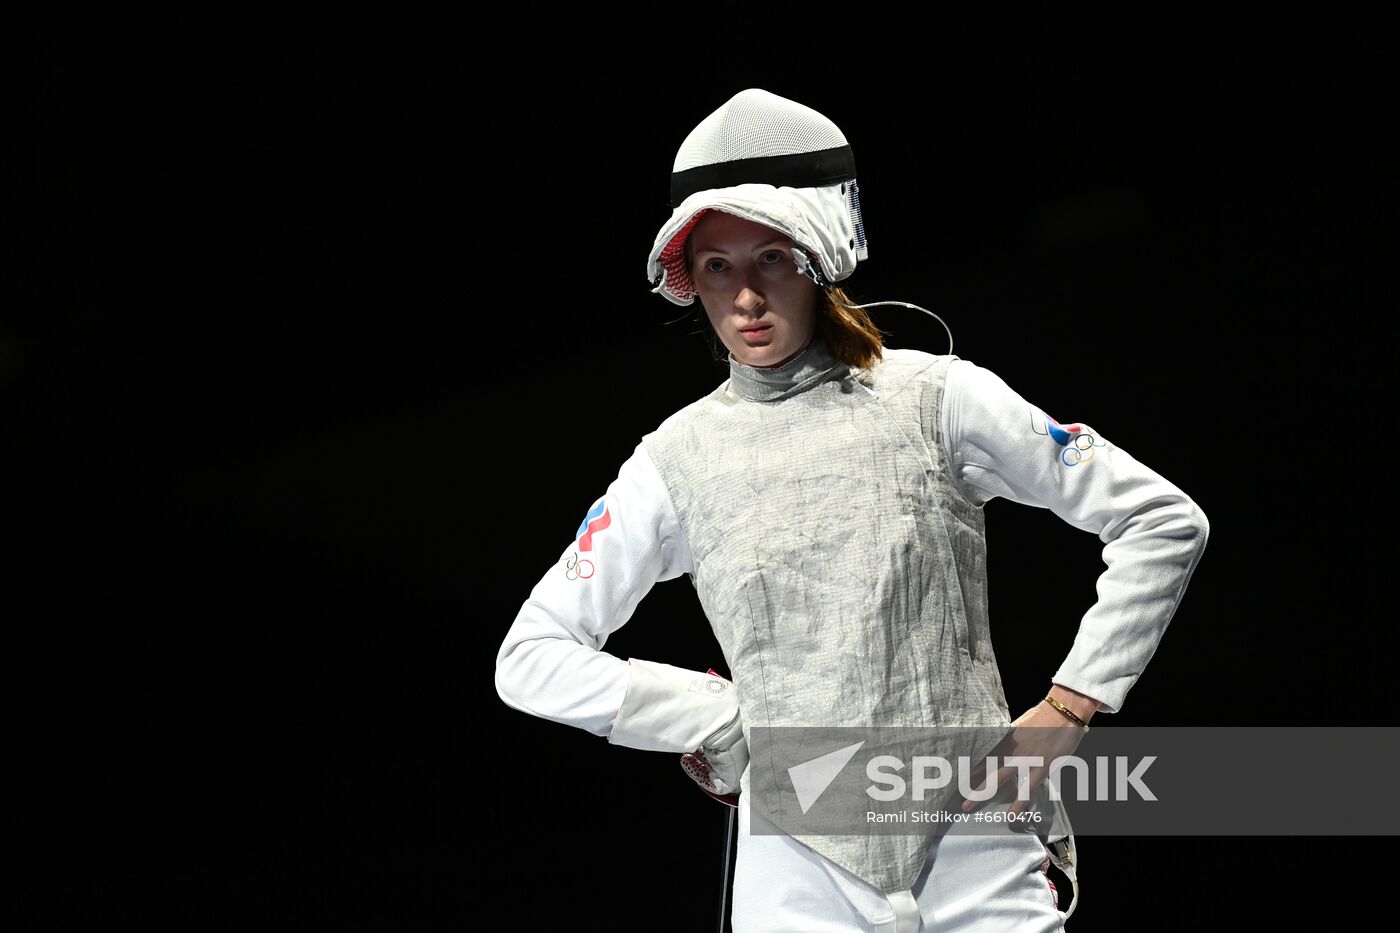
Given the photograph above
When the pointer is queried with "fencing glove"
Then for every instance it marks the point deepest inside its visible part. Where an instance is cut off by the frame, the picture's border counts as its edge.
(671, 709)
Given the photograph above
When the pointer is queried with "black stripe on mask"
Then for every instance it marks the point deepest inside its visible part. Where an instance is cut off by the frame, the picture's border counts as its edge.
(800, 170)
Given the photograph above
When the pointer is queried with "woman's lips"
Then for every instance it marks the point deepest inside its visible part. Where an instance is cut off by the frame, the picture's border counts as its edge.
(757, 332)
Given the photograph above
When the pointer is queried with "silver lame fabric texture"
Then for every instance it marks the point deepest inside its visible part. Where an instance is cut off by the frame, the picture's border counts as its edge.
(842, 571)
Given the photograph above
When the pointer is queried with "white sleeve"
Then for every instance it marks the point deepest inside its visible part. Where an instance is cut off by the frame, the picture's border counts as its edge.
(999, 445)
(551, 663)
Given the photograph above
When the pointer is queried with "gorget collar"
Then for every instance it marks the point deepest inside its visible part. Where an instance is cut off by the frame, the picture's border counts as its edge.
(815, 364)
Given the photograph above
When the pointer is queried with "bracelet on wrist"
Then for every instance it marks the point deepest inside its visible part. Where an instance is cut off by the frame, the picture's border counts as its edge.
(1069, 714)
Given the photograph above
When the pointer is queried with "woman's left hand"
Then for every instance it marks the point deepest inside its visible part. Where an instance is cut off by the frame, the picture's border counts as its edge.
(1041, 732)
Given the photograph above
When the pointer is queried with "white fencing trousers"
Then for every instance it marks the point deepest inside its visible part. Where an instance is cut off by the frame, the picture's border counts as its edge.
(971, 883)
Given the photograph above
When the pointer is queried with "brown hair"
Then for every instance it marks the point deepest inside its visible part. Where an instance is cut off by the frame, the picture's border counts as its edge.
(849, 332)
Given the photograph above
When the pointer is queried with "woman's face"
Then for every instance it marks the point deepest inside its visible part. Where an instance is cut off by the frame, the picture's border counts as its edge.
(760, 305)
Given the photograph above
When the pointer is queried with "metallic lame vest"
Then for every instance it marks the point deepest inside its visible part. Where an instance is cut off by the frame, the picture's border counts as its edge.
(841, 569)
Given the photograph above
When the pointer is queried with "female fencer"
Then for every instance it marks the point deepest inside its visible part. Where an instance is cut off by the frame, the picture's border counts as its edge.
(826, 501)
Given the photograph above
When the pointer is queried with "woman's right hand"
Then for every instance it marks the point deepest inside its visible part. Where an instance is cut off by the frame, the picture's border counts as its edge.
(719, 763)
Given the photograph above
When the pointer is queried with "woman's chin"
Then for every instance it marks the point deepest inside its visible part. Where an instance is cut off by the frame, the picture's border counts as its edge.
(759, 360)
(761, 356)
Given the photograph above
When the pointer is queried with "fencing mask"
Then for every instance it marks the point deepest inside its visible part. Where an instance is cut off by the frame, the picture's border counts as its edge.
(772, 161)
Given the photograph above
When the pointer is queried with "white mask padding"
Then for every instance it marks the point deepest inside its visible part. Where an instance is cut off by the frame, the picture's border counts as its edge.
(820, 220)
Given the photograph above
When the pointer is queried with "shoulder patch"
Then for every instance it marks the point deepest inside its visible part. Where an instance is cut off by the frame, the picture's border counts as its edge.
(1075, 438)
(597, 519)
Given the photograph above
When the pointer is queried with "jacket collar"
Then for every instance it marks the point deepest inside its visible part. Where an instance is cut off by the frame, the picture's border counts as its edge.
(815, 364)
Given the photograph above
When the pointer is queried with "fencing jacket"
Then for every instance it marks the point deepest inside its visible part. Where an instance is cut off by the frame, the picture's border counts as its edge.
(831, 521)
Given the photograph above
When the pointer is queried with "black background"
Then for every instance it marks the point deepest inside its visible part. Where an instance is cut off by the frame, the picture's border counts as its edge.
(320, 338)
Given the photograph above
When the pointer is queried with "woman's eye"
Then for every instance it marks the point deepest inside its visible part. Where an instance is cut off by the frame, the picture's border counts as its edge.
(710, 266)
(773, 256)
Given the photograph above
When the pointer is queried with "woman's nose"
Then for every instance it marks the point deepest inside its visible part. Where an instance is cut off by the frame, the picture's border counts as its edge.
(748, 299)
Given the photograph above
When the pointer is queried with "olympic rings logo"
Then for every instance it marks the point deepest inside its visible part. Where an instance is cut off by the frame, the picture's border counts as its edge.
(577, 568)
(1080, 449)
(1078, 444)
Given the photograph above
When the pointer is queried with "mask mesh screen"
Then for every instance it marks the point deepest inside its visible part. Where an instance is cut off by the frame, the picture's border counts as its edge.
(755, 124)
